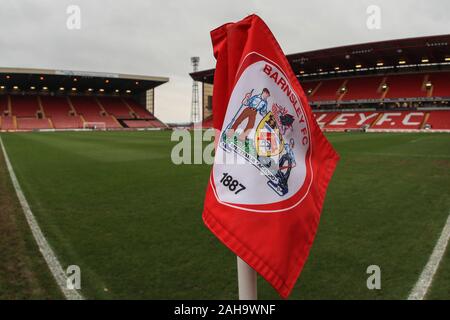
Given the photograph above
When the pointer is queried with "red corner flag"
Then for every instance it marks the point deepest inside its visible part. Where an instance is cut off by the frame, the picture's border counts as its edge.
(272, 164)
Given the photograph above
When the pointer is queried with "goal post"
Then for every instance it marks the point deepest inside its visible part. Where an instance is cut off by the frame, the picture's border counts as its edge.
(94, 125)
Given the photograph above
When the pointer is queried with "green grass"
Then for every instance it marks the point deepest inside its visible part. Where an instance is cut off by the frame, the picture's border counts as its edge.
(23, 272)
(441, 287)
(114, 204)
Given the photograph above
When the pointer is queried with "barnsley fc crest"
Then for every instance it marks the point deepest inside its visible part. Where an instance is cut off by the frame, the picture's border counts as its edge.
(264, 142)
(268, 139)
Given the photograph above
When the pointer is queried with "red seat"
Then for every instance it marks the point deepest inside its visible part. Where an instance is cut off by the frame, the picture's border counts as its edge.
(386, 120)
(115, 106)
(363, 88)
(399, 120)
(24, 106)
(157, 124)
(352, 120)
(441, 84)
(32, 123)
(138, 124)
(58, 110)
(308, 87)
(139, 110)
(328, 90)
(405, 86)
(7, 123)
(55, 106)
(67, 122)
(3, 104)
(59, 114)
(439, 119)
(92, 112)
(323, 118)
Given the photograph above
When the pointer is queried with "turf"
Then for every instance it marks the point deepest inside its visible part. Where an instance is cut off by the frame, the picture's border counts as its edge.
(441, 288)
(23, 272)
(114, 204)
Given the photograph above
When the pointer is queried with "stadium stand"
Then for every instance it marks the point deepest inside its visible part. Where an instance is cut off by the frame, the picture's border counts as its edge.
(385, 120)
(4, 109)
(55, 106)
(440, 84)
(363, 88)
(327, 90)
(8, 123)
(439, 120)
(370, 87)
(91, 111)
(406, 86)
(116, 107)
(375, 120)
(310, 87)
(24, 106)
(33, 124)
(40, 99)
(157, 124)
(323, 118)
(143, 124)
(396, 85)
(399, 120)
(138, 109)
(351, 121)
(60, 113)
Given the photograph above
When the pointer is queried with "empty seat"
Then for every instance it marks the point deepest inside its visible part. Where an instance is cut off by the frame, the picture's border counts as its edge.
(328, 90)
(3, 104)
(405, 86)
(24, 106)
(323, 118)
(92, 112)
(59, 111)
(7, 123)
(138, 124)
(352, 120)
(115, 106)
(144, 124)
(32, 123)
(55, 106)
(139, 110)
(363, 88)
(439, 119)
(399, 120)
(441, 84)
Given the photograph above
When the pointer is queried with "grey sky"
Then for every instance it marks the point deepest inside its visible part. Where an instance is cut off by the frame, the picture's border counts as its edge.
(153, 37)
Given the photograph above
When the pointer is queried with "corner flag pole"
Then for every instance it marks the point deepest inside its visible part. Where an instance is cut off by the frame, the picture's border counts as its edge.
(246, 281)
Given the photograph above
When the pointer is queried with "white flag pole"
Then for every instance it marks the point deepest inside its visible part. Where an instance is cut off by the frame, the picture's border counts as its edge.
(246, 281)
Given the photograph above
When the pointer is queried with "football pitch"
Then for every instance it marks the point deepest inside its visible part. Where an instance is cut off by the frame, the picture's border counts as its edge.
(114, 204)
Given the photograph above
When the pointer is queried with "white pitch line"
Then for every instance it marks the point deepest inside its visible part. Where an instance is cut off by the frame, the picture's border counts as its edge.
(426, 278)
(47, 252)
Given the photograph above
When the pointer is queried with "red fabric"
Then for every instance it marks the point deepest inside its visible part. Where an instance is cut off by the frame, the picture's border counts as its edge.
(275, 244)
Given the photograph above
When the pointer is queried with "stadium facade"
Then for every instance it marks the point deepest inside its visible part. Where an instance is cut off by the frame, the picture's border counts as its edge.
(47, 100)
(396, 85)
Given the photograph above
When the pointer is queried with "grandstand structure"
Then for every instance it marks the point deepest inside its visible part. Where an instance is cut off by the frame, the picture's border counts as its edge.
(396, 85)
(51, 100)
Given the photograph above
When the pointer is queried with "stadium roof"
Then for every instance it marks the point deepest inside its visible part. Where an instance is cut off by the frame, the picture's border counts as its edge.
(19, 79)
(411, 54)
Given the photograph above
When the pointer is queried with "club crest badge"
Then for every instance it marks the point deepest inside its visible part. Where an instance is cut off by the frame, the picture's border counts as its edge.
(268, 140)
(264, 141)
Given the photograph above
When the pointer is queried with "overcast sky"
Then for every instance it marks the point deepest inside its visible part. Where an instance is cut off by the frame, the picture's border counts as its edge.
(153, 37)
